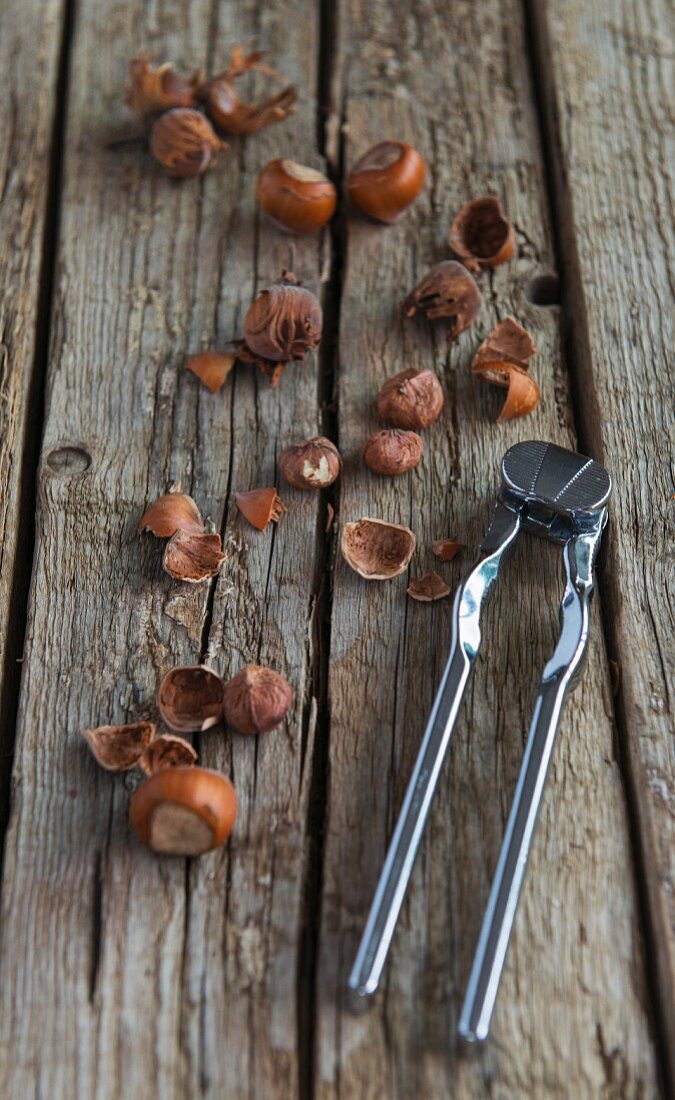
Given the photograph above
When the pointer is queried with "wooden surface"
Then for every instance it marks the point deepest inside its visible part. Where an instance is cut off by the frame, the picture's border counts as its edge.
(125, 975)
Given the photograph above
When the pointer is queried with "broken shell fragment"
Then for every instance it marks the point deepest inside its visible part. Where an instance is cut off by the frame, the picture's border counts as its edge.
(412, 399)
(118, 748)
(312, 464)
(481, 234)
(447, 291)
(227, 111)
(212, 367)
(446, 549)
(392, 451)
(508, 342)
(171, 512)
(166, 751)
(193, 556)
(157, 88)
(260, 507)
(190, 698)
(428, 588)
(377, 550)
(256, 700)
(183, 811)
(523, 391)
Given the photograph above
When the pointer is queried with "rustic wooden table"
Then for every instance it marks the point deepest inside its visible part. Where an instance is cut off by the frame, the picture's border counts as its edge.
(127, 975)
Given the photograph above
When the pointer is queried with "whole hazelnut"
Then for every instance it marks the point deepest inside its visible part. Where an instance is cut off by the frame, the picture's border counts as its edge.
(386, 180)
(283, 323)
(184, 142)
(256, 700)
(312, 464)
(411, 399)
(392, 451)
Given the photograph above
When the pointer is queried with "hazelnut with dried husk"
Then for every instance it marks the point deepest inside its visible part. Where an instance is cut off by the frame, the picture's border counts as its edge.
(386, 180)
(481, 234)
(377, 550)
(118, 748)
(283, 323)
(447, 291)
(229, 113)
(256, 700)
(184, 143)
(190, 698)
(412, 399)
(184, 811)
(428, 588)
(157, 88)
(167, 751)
(392, 451)
(260, 507)
(312, 464)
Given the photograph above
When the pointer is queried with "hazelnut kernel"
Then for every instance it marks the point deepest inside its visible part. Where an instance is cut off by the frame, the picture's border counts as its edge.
(411, 399)
(256, 700)
(312, 464)
(392, 451)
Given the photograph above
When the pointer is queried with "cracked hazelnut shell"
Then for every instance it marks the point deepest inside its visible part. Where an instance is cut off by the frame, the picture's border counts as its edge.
(256, 700)
(157, 88)
(184, 143)
(260, 507)
(481, 234)
(523, 391)
(508, 342)
(449, 291)
(229, 113)
(183, 811)
(166, 751)
(212, 367)
(428, 588)
(193, 556)
(296, 198)
(377, 550)
(312, 464)
(171, 512)
(386, 180)
(190, 698)
(118, 748)
(446, 549)
(392, 451)
(412, 399)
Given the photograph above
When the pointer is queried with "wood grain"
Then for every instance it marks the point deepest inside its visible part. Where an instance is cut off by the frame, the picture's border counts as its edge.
(607, 84)
(124, 974)
(571, 1016)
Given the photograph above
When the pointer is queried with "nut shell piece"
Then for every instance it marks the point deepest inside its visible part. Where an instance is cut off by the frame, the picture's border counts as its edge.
(523, 391)
(184, 142)
(386, 180)
(446, 549)
(118, 748)
(172, 512)
(190, 698)
(296, 198)
(166, 751)
(508, 342)
(412, 399)
(392, 451)
(377, 550)
(229, 113)
(428, 588)
(256, 699)
(260, 507)
(212, 367)
(312, 464)
(183, 811)
(448, 291)
(193, 556)
(155, 89)
(481, 234)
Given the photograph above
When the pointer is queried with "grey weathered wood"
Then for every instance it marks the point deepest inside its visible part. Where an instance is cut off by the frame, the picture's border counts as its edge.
(29, 51)
(124, 974)
(571, 1016)
(609, 83)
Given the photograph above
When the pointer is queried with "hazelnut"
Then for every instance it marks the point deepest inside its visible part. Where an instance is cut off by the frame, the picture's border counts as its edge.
(166, 751)
(155, 89)
(296, 198)
(481, 234)
(227, 111)
(377, 550)
(183, 811)
(312, 464)
(411, 399)
(193, 556)
(386, 180)
(172, 512)
(449, 291)
(212, 367)
(428, 588)
(184, 143)
(392, 451)
(190, 698)
(282, 324)
(523, 391)
(446, 549)
(260, 507)
(118, 748)
(256, 700)
(508, 342)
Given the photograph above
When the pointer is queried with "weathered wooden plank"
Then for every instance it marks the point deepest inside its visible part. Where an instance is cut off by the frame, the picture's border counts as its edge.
(123, 974)
(607, 81)
(571, 1018)
(29, 55)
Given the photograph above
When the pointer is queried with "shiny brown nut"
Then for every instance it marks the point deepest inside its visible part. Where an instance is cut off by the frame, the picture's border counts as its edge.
(256, 700)
(447, 291)
(260, 507)
(312, 464)
(392, 451)
(412, 399)
(386, 180)
(183, 811)
(377, 550)
(296, 198)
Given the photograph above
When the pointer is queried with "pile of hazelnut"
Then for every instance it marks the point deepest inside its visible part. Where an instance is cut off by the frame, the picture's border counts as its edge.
(180, 808)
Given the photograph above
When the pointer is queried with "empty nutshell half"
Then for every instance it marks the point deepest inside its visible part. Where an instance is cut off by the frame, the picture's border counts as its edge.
(377, 550)
(190, 698)
(193, 556)
(481, 234)
(118, 748)
(171, 512)
(167, 751)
